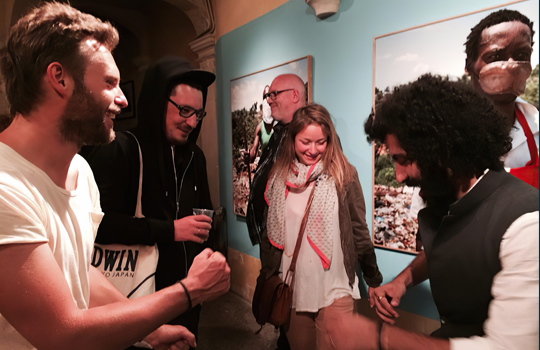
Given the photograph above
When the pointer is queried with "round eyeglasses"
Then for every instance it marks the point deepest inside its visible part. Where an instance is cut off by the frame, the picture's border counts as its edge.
(273, 94)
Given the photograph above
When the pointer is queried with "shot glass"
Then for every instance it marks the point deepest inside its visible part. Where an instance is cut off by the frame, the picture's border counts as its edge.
(207, 212)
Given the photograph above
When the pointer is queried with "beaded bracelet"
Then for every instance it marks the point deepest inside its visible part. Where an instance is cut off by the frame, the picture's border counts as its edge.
(187, 294)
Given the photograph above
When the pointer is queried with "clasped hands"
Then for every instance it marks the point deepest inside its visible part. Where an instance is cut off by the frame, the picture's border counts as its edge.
(385, 298)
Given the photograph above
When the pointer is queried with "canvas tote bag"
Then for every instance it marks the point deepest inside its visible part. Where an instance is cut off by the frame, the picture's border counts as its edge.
(130, 268)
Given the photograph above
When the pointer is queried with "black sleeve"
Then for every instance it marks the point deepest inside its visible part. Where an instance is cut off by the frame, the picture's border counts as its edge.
(362, 240)
(206, 199)
(116, 170)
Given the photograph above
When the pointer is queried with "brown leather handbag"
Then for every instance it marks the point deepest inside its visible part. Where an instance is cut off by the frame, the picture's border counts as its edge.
(272, 300)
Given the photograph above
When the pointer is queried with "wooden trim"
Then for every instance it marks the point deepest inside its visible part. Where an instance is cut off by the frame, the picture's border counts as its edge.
(310, 77)
(309, 57)
(450, 18)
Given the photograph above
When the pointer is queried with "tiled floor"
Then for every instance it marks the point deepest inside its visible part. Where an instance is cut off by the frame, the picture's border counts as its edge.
(228, 324)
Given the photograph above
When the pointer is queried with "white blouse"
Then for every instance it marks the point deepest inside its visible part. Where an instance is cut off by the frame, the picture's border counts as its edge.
(314, 287)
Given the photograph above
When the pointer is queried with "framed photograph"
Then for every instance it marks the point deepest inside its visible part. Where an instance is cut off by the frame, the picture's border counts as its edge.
(248, 109)
(128, 88)
(399, 58)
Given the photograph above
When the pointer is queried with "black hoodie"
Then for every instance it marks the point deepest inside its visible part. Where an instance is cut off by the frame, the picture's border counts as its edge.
(116, 169)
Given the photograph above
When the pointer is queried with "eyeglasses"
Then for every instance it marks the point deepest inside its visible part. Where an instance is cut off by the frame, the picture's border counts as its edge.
(187, 111)
(273, 94)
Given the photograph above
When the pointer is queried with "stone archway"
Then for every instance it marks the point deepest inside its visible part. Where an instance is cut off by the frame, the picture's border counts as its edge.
(132, 17)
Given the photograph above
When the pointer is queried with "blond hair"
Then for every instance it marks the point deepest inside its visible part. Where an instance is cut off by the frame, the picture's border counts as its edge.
(334, 161)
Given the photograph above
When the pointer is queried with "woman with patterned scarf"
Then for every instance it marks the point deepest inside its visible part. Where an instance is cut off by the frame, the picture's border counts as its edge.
(336, 235)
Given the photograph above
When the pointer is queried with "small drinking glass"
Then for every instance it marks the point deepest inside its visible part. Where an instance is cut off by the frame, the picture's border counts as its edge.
(207, 212)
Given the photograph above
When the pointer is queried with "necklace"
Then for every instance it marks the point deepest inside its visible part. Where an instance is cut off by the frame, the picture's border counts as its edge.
(289, 255)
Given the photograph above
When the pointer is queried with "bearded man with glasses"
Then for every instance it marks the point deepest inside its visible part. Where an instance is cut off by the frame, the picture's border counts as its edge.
(286, 95)
(169, 110)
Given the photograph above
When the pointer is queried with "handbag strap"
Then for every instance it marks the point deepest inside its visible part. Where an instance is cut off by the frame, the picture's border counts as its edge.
(138, 209)
(302, 229)
(530, 138)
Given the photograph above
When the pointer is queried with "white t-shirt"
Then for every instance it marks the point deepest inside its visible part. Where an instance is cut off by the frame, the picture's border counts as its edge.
(314, 287)
(33, 210)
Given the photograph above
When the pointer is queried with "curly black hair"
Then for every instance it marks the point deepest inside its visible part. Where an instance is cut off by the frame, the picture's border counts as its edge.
(442, 124)
(494, 18)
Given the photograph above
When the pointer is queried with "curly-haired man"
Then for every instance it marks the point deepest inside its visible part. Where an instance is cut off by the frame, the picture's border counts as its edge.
(479, 229)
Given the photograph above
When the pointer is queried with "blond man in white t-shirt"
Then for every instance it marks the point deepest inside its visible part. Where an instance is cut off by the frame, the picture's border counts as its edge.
(63, 88)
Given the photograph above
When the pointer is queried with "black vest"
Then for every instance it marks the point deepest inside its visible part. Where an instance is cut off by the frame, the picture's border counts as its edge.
(462, 249)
